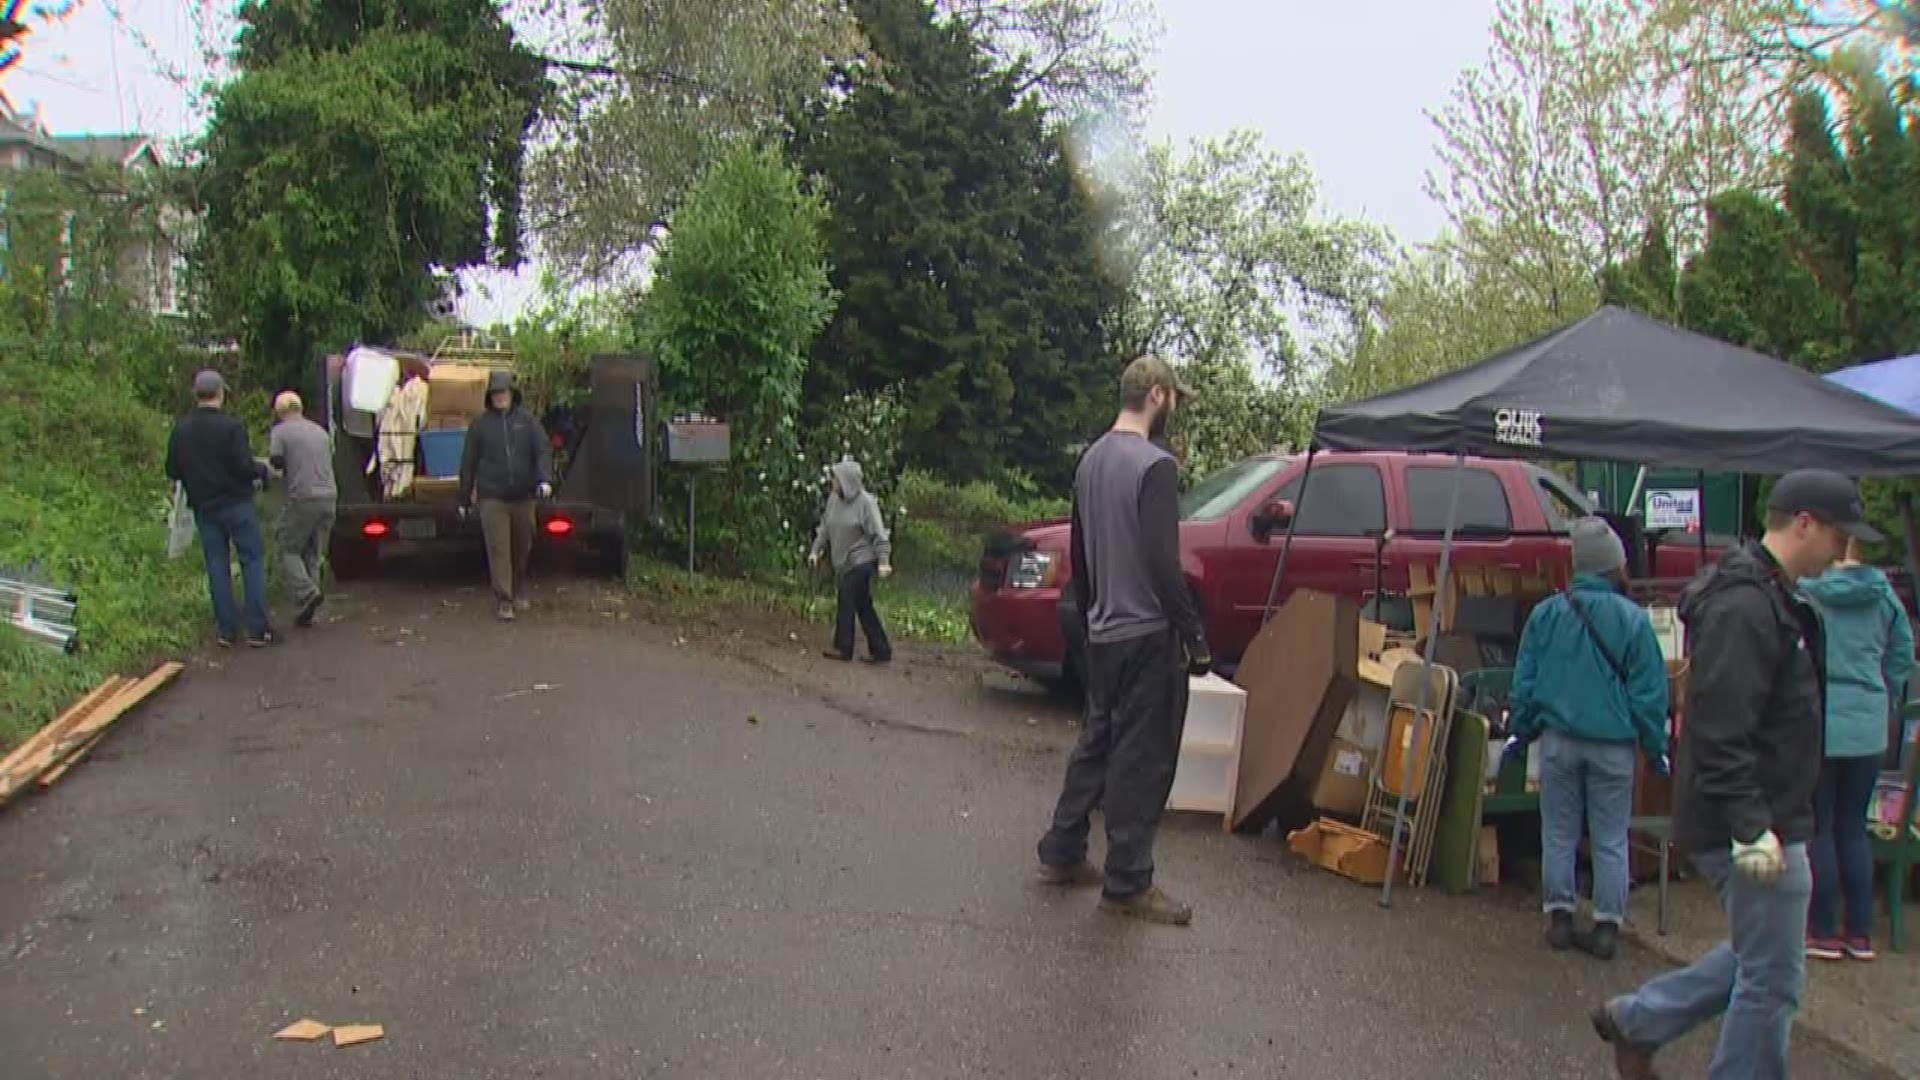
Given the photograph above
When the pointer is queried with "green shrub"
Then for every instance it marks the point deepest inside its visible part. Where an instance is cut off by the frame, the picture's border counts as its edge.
(83, 496)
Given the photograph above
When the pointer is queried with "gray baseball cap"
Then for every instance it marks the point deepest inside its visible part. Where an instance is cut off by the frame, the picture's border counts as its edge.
(1828, 496)
(207, 383)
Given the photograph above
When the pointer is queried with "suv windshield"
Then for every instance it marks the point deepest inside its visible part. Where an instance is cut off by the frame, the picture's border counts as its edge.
(1219, 493)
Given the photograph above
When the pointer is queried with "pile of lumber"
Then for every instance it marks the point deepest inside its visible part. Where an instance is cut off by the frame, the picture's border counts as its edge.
(46, 757)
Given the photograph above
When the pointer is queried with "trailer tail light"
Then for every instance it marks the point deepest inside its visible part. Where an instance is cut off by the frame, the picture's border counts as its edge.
(375, 530)
(559, 526)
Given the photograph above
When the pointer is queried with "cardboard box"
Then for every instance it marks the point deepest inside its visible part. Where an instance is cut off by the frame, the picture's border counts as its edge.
(1299, 673)
(1487, 857)
(1342, 788)
(448, 421)
(1347, 851)
(457, 389)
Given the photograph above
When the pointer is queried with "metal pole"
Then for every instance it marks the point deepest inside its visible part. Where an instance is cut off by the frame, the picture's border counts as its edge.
(1421, 700)
(1633, 499)
(1700, 508)
(690, 480)
(1286, 546)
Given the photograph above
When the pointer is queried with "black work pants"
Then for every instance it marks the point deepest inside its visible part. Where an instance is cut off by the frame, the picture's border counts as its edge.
(856, 602)
(1136, 709)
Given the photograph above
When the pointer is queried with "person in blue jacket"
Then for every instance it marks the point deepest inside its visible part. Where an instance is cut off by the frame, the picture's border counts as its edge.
(1590, 684)
(1869, 660)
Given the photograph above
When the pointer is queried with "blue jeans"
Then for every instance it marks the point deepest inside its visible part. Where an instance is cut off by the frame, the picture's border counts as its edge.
(1841, 852)
(1754, 977)
(1591, 780)
(235, 525)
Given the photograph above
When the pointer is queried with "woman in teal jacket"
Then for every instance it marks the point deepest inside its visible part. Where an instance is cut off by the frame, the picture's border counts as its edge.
(1869, 660)
(1591, 685)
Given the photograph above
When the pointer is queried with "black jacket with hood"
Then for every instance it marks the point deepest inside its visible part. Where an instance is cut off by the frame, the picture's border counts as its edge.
(1754, 732)
(506, 455)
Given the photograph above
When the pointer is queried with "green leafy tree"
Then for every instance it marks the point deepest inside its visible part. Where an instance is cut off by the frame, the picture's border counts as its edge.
(740, 294)
(964, 250)
(1233, 271)
(361, 147)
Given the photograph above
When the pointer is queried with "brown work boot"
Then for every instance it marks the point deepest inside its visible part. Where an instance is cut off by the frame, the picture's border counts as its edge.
(1080, 875)
(1631, 1061)
(1151, 905)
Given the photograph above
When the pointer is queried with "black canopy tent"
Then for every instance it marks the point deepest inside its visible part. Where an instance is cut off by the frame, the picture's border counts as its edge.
(1616, 386)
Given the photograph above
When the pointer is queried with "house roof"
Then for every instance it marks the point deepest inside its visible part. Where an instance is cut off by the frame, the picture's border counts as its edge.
(111, 149)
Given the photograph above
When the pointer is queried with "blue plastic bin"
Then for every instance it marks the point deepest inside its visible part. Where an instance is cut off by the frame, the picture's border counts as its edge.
(440, 451)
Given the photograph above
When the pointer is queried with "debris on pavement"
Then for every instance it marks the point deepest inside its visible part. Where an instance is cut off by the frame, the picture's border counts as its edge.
(51, 751)
(303, 1031)
(355, 1034)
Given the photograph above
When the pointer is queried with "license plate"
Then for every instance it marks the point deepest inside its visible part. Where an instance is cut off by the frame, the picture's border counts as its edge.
(418, 529)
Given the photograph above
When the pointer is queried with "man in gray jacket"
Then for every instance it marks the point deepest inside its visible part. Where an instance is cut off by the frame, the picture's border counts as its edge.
(852, 532)
(303, 453)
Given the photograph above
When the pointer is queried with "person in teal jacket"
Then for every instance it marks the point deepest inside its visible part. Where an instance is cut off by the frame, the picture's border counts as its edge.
(1869, 660)
(1590, 684)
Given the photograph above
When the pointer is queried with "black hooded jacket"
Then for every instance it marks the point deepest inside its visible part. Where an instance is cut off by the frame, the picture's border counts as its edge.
(506, 455)
(1754, 731)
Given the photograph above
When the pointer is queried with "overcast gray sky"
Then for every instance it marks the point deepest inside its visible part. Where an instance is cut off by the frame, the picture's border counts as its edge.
(1344, 84)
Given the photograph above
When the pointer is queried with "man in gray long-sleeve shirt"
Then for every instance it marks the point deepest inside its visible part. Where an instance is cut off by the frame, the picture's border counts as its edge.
(1144, 638)
(303, 452)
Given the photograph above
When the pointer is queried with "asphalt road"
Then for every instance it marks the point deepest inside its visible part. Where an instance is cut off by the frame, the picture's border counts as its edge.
(582, 846)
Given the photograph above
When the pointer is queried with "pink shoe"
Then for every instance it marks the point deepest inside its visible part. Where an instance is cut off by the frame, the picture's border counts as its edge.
(1826, 948)
(1860, 948)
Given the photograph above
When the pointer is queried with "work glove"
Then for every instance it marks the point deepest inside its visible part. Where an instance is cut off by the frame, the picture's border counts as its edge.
(464, 511)
(886, 570)
(1514, 752)
(813, 560)
(544, 490)
(1760, 860)
(1199, 660)
(1659, 765)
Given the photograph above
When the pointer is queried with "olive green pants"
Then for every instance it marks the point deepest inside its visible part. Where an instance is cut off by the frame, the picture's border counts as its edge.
(508, 528)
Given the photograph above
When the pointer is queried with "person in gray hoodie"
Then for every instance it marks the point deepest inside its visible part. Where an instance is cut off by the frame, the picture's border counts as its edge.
(855, 539)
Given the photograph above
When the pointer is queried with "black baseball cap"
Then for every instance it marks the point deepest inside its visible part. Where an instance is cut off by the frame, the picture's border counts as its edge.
(1828, 496)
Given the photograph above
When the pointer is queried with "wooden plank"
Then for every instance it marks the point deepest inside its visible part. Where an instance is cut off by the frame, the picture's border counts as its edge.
(75, 713)
(84, 731)
(52, 776)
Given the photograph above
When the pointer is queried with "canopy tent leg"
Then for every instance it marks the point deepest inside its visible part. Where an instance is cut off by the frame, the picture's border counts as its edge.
(1286, 546)
(1700, 508)
(1421, 701)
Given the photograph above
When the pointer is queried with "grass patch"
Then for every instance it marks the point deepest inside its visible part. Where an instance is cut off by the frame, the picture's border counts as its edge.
(82, 495)
(908, 612)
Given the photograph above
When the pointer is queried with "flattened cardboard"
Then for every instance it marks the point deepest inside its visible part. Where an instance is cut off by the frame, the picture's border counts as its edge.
(1299, 674)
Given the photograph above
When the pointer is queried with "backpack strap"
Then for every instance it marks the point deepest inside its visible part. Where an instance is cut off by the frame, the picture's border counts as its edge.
(1613, 661)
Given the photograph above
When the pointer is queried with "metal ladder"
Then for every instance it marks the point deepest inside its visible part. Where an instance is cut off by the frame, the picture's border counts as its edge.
(43, 613)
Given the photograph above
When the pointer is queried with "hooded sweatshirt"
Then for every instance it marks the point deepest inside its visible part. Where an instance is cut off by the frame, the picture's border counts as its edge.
(1750, 749)
(850, 526)
(506, 455)
(1869, 656)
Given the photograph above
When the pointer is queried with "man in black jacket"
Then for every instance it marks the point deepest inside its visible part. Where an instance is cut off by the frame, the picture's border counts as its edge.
(1143, 639)
(506, 465)
(208, 454)
(1750, 755)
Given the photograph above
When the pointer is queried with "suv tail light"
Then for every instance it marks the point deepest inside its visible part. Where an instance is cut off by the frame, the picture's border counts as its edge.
(1034, 569)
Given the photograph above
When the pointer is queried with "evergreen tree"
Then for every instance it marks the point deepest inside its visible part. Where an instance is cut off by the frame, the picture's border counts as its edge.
(964, 251)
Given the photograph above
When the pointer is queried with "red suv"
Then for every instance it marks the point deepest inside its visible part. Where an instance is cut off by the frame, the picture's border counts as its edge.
(1367, 518)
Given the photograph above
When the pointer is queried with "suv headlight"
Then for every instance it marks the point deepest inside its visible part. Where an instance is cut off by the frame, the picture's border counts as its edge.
(1033, 569)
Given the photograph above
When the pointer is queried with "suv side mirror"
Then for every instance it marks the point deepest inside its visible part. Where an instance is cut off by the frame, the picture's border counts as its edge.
(1274, 515)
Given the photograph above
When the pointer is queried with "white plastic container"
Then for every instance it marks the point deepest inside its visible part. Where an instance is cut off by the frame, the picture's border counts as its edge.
(371, 378)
